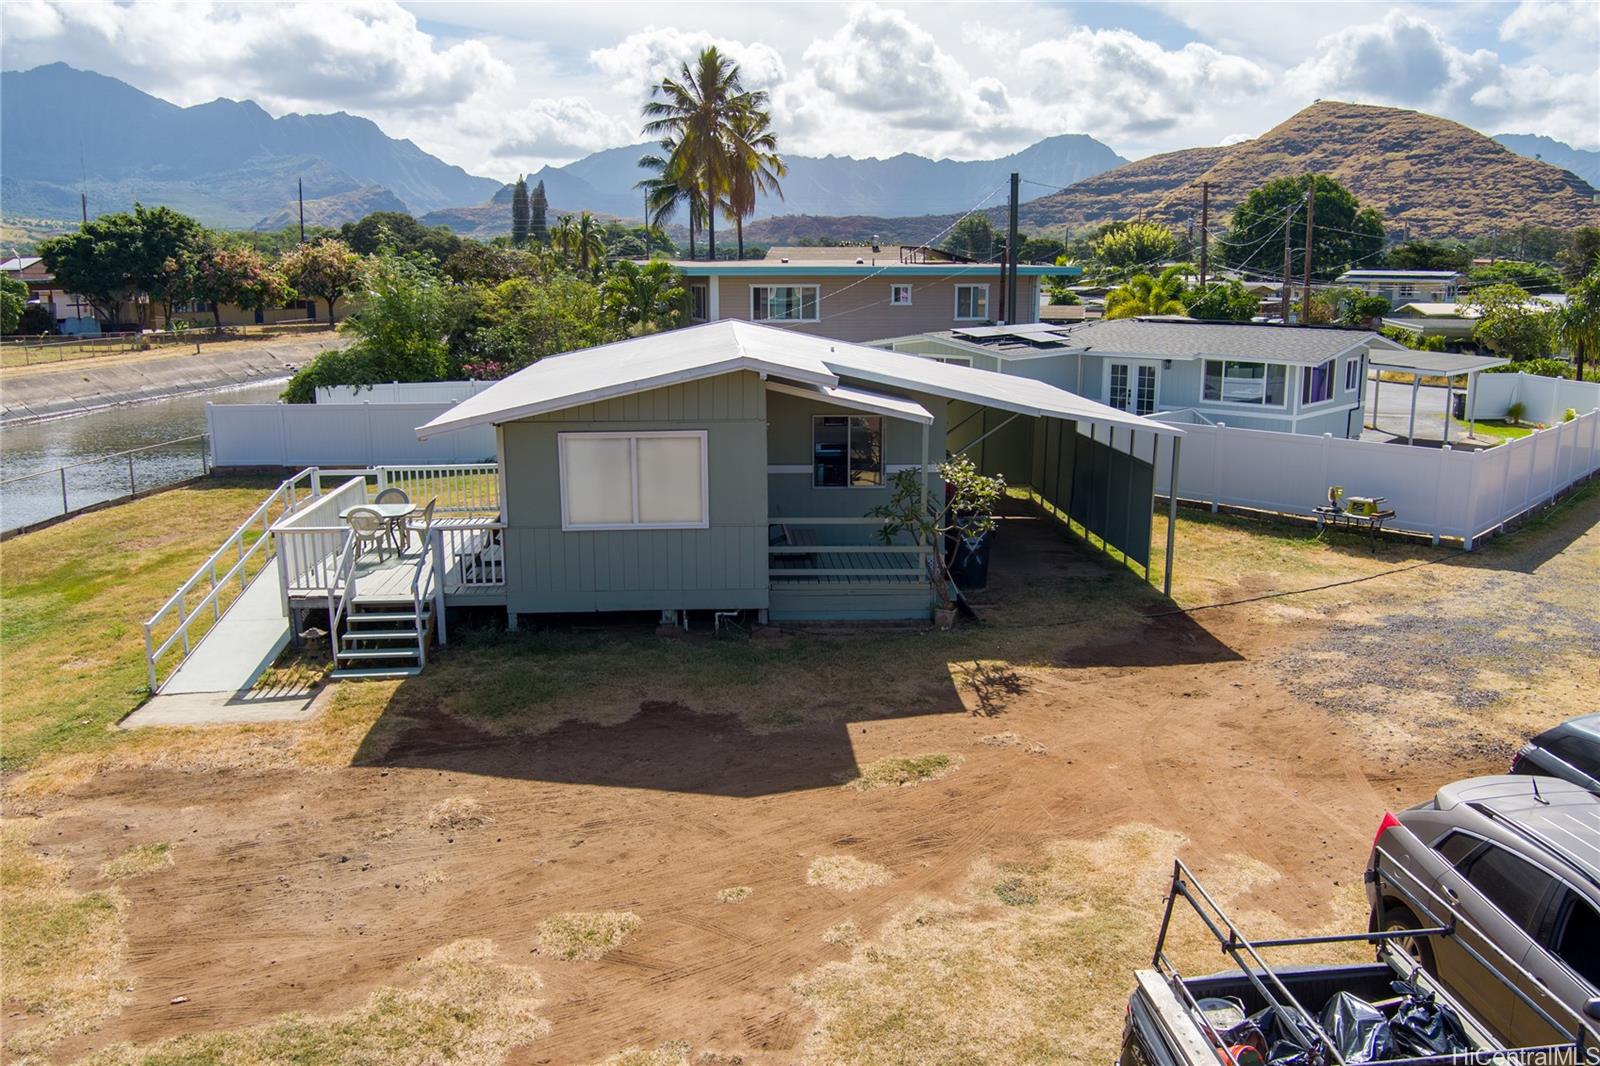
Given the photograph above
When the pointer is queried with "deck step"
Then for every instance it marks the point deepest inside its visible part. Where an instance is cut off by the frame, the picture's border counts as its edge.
(385, 616)
(375, 673)
(395, 653)
(380, 634)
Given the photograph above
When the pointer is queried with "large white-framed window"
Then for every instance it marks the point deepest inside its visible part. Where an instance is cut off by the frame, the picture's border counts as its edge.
(900, 294)
(847, 451)
(1237, 381)
(639, 480)
(1316, 383)
(1352, 375)
(972, 302)
(785, 303)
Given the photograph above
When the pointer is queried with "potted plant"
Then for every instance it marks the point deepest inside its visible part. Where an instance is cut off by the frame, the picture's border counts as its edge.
(966, 507)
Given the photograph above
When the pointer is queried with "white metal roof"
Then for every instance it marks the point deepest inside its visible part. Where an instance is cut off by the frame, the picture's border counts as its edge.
(858, 400)
(677, 356)
(1431, 363)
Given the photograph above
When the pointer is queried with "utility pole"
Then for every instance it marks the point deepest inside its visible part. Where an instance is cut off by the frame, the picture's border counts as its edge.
(1205, 230)
(83, 202)
(1311, 211)
(1011, 253)
(300, 187)
(1288, 279)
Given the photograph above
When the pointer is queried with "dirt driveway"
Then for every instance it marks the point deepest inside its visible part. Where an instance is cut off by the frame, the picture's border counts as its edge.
(310, 866)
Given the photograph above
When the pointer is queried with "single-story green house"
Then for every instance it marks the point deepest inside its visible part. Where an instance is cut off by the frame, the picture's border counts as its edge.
(731, 467)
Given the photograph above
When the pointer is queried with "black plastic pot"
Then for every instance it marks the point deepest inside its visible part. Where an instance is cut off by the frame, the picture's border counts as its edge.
(969, 565)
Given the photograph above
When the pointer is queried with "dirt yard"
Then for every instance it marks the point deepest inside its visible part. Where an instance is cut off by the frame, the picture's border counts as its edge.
(836, 847)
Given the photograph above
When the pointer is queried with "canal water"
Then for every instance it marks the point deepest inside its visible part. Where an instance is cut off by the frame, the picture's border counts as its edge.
(41, 448)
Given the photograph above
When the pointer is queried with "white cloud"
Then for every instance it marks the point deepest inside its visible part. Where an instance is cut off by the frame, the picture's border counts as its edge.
(640, 60)
(562, 128)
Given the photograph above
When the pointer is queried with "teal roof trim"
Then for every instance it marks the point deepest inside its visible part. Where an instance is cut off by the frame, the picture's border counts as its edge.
(852, 270)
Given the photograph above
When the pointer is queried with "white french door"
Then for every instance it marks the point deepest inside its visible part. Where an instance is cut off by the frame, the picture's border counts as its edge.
(1131, 387)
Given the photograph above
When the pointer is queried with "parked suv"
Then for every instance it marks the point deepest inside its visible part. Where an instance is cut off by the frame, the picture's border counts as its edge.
(1518, 858)
(1570, 751)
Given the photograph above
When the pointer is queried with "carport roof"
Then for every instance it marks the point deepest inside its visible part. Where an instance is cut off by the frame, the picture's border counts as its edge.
(1434, 364)
(678, 356)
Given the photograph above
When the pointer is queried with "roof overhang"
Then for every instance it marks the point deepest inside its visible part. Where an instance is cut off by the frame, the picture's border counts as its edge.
(1436, 364)
(857, 400)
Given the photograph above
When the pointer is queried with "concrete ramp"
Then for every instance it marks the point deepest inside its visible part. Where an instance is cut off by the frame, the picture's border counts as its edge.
(240, 647)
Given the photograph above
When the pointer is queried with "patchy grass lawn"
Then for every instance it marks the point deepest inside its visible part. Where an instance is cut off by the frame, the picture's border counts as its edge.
(137, 861)
(585, 935)
(73, 600)
(1494, 428)
(846, 873)
(903, 771)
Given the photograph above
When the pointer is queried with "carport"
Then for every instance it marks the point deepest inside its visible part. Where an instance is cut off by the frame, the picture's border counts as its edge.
(1447, 365)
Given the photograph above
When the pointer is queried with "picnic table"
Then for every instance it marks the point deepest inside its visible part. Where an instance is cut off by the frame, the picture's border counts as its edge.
(1339, 518)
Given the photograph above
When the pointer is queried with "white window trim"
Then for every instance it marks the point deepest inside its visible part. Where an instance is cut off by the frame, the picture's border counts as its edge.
(1304, 378)
(1290, 383)
(706, 287)
(956, 309)
(781, 321)
(1351, 371)
(633, 463)
(883, 444)
(1133, 380)
(893, 288)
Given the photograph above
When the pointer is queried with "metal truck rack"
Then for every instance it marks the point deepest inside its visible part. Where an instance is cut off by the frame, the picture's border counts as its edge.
(1246, 955)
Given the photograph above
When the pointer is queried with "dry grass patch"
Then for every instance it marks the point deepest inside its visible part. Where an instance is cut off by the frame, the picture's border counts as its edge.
(1014, 740)
(63, 950)
(458, 812)
(136, 862)
(672, 1053)
(846, 873)
(462, 1006)
(903, 771)
(735, 894)
(585, 935)
(1032, 964)
(844, 935)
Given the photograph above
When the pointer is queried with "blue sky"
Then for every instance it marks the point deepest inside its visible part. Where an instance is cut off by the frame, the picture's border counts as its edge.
(504, 88)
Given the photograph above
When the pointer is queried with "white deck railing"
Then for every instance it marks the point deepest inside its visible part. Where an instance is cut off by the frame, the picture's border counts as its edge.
(463, 488)
(310, 541)
(251, 542)
(918, 554)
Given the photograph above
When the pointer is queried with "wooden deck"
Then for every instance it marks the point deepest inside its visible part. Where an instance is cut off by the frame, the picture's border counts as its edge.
(474, 570)
(818, 566)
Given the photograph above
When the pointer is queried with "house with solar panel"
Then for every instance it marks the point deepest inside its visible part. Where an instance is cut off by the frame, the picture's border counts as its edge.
(1291, 379)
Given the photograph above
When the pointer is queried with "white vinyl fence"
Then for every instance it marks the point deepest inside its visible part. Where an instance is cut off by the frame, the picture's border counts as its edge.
(402, 392)
(1546, 399)
(1440, 492)
(338, 434)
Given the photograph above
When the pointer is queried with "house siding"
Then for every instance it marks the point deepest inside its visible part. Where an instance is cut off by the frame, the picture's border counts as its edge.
(857, 309)
(552, 570)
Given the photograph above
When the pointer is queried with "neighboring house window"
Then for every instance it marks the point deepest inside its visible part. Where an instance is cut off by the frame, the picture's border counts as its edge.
(1133, 388)
(785, 303)
(1408, 292)
(847, 451)
(699, 303)
(1352, 374)
(633, 480)
(190, 307)
(899, 295)
(972, 302)
(1233, 381)
(1316, 383)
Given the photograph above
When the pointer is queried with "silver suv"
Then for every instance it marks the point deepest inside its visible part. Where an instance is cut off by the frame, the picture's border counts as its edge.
(1518, 858)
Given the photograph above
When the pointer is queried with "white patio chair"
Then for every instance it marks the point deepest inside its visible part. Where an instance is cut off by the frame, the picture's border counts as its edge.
(392, 495)
(371, 529)
(421, 524)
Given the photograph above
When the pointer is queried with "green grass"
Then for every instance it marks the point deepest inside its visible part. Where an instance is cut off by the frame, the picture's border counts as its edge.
(1494, 428)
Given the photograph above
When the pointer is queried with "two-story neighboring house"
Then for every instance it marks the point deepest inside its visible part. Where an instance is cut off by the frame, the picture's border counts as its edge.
(1291, 379)
(1405, 286)
(860, 294)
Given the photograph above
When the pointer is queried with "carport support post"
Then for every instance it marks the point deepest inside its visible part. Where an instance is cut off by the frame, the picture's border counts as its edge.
(1127, 516)
(1449, 398)
(1111, 444)
(1411, 427)
(924, 468)
(1172, 516)
(1472, 404)
(1377, 389)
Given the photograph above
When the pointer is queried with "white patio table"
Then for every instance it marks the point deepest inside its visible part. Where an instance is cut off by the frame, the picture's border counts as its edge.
(395, 514)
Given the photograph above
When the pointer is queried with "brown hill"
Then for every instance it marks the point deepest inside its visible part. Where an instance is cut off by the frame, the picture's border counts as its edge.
(1434, 177)
(335, 210)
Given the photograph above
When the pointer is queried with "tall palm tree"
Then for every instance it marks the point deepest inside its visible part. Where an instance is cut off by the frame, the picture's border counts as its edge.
(668, 189)
(756, 169)
(564, 235)
(1579, 321)
(590, 242)
(701, 111)
(1146, 295)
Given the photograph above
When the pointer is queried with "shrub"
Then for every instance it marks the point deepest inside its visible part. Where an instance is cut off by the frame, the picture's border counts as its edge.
(1569, 414)
(1543, 367)
(1516, 412)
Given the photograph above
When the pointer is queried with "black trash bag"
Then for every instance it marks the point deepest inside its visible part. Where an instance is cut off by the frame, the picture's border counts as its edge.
(1358, 1029)
(1287, 1038)
(1423, 1026)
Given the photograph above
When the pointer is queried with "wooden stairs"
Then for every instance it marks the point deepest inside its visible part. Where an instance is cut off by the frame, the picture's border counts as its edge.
(384, 639)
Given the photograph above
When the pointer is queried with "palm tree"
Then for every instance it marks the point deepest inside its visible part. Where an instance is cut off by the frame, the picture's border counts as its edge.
(564, 235)
(591, 242)
(701, 112)
(668, 189)
(645, 298)
(756, 169)
(1145, 295)
(1579, 321)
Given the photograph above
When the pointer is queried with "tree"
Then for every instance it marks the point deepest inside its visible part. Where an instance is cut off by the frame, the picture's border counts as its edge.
(579, 239)
(124, 257)
(964, 503)
(521, 213)
(1226, 301)
(396, 231)
(1147, 295)
(13, 298)
(704, 112)
(644, 299)
(1131, 247)
(1429, 255)
(670, 187)
(973, 238)
(756, 167)
(538, 212)
(239, 276)
(328, 270)
(1344, 233)
(518, 322)
(400, 333)
(1413, 339)
(1510, 322)
(1578, 323)
(1581, 255)
(475, 263)
(1532, 277)
(1040, 250)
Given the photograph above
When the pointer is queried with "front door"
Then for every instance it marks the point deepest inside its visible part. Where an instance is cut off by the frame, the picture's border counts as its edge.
(1132, 388)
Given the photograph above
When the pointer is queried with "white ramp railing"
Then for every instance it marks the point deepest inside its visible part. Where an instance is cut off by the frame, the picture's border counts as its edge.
(251, 549)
